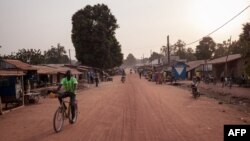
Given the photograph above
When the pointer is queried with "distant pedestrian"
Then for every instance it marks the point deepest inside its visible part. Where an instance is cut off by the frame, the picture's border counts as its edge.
(140, 73)
(96, 76)
(222, 79)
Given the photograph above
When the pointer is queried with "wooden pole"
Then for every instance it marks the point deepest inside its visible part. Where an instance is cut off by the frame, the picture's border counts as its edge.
(226, 68)
(168, 50)
(22, 85)
(70, 57)
(1, 110)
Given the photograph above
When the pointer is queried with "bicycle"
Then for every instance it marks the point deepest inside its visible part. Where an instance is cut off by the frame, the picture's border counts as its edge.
(123, 79)
(62, 113)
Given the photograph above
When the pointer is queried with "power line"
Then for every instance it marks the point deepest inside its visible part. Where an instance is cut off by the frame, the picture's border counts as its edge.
(220, 26)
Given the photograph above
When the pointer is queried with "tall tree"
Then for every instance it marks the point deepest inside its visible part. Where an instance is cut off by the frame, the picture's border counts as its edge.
(93, 36)
(56, 55)
(130, 60)
(205, 49)
(244, 43)
(154, 56)
(221, 50)
(235, 47)
(115, 56)
(179, 49)
(190, 54)
(245, 40)
(31, 56)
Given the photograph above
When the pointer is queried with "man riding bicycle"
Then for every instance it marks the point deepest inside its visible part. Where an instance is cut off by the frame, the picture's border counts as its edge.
(69, 84)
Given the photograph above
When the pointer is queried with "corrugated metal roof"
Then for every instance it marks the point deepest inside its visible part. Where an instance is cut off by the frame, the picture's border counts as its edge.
(223, 59)
(19, 64)
(11, 73)
(194, 64)
(60, 68)
(83, 68)
(45, 69)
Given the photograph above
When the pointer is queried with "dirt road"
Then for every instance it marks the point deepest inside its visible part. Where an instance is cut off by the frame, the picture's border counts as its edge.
(137, 110)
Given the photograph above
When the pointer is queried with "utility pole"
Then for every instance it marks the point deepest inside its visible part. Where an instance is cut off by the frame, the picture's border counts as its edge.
(70, 58)
(143, 59)
(228, 51)
(0, 54)
(168, 50)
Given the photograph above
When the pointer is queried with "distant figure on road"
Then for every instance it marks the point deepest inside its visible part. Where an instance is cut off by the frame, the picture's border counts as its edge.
(123, 78)
(242, 80)
(96, 75)
(140, 73)
(222, 79)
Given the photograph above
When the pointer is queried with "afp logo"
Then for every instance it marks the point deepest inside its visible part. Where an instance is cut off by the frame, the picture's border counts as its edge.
(236, 132)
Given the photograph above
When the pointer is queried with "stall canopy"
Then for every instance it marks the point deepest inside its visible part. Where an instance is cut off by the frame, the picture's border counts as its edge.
(11, 73)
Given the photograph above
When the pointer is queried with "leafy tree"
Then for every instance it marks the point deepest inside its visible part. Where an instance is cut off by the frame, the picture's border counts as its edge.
(205, 49)
(235, 48)
(245, 40)
(93, 36)
(221, 50)
(154, 56)
(244, 44)
(179, 49)
(31, 56)
(56, 55)
(245, 36)
(190, 54)
(11, 56)
(130, 60)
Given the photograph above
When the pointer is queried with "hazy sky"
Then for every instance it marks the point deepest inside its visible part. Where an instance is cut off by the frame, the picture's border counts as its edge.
(144, 24)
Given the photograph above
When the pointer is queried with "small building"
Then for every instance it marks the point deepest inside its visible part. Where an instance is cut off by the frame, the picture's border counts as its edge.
(198, 68)
(84, 70)
(45, 75)
(61, 70)
(11, 87)
(179, 70)
(30, 73)
(231, 65)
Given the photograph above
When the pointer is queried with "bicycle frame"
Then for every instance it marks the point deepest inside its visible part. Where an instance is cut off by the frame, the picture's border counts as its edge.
(64, 107)
(62, 112)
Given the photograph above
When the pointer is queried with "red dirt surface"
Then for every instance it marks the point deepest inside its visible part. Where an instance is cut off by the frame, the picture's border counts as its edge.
(136, 110)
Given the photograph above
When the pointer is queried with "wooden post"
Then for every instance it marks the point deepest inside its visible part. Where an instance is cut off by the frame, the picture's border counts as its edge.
(22, 85)
(1, 110)
(228, 51)
(70, 58)
(168, 50)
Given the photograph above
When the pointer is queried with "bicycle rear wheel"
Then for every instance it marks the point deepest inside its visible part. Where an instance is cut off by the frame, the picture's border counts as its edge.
(71, 119)
(58, 120)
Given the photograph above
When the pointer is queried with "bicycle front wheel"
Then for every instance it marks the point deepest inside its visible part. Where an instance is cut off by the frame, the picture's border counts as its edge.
(58, 120)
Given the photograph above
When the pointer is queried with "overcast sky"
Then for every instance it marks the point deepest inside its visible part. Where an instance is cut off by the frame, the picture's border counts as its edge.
(144, 24)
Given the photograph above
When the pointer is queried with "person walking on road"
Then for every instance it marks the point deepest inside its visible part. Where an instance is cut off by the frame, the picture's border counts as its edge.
(96, 78)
